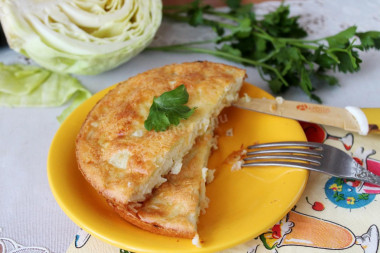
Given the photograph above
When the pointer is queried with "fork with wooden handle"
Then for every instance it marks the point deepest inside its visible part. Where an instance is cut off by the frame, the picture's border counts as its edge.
(311, 156)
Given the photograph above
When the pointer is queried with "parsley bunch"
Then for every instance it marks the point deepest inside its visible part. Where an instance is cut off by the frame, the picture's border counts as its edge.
(274, 44)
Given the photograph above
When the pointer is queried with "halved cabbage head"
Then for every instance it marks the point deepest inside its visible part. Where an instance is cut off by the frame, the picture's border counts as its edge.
(79, 36)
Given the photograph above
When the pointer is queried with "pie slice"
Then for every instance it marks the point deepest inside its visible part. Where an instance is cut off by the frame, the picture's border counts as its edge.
(125, 162)
(174, 207)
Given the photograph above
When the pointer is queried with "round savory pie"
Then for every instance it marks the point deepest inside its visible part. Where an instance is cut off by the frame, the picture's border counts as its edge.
(126, 163)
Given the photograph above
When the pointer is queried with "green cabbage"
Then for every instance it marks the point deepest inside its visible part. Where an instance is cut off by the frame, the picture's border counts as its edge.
(31, 86)
(78, 36)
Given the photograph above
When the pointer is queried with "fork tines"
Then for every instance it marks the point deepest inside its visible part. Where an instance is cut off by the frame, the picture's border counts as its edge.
(291, 154)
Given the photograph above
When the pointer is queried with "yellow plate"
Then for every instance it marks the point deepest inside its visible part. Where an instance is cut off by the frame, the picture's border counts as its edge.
(243, 204)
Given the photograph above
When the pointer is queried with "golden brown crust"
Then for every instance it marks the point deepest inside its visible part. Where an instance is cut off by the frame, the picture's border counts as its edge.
(132, 218)
(173, 207)
(121, 159)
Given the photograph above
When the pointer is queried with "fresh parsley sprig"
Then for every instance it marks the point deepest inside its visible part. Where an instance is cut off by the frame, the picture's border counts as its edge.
(168, 109)
(274, 44)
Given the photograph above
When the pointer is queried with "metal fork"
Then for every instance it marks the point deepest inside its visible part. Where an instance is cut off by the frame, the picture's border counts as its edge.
(311, 156)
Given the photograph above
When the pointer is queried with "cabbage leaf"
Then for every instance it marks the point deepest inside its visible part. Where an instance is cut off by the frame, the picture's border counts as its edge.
(31, 86)
(81, 37)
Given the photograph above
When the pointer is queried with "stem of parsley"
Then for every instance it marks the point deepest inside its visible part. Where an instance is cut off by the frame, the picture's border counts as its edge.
(222, 15)
(183, 47)
(208, 22)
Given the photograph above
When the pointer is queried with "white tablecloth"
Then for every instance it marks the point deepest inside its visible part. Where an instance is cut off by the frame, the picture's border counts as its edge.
(29, 214)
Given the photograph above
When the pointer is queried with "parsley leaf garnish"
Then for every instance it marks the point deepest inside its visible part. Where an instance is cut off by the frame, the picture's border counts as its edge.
(168, 109)
(274, 44)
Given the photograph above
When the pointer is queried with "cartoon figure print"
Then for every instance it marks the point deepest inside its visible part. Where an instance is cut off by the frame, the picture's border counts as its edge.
(352, 194)
(347, 193)
(298, 229)
(302, 230)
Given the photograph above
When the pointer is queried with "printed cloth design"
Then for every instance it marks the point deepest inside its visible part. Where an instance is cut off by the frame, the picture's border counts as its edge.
(332, 214)
(9, 246)
(346, 193)
(343, 192)
(81, 238)
(298, 229)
